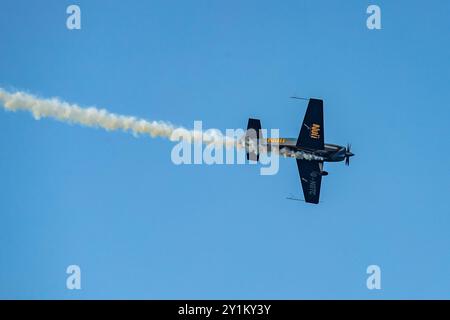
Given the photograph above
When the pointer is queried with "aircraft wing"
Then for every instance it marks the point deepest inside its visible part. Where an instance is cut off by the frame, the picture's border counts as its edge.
(311, 179)
(312, 131)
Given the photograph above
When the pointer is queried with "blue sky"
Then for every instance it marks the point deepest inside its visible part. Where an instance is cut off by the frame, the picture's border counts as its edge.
(141, 227)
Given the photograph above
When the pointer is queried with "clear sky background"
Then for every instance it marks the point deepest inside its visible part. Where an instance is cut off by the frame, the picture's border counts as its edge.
(141, 227)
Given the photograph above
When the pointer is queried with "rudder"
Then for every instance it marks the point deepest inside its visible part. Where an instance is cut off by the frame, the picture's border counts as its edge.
(252, 139)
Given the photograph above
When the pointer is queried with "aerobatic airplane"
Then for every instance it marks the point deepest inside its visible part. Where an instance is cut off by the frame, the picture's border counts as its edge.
(308, 149)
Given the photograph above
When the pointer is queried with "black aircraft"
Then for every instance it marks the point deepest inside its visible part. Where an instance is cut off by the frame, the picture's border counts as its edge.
(308, 149)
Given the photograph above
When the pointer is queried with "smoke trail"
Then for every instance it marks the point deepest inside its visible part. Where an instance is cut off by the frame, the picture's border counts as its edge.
(101, 118)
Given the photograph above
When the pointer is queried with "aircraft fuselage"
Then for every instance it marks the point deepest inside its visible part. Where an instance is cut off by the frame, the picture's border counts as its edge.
(287, 147)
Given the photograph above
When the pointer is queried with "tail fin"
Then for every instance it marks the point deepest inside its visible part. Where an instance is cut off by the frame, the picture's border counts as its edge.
(252, 138)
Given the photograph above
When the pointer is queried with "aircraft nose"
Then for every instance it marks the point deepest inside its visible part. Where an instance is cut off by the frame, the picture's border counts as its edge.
(350, 154)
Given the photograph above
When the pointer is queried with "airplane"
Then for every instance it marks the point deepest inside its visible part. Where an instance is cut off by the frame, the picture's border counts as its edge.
(308, 149)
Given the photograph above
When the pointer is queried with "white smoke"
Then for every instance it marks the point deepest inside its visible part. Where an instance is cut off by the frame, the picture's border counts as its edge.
(101, 118)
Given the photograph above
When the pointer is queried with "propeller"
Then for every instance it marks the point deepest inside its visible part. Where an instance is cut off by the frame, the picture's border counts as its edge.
(348, 154)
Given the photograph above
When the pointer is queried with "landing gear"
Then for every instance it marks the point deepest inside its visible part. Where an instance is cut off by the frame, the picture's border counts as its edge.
(322, 172)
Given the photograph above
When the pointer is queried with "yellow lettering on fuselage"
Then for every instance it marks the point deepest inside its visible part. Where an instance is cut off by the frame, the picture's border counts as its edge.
(315, 131)
(276, 140)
